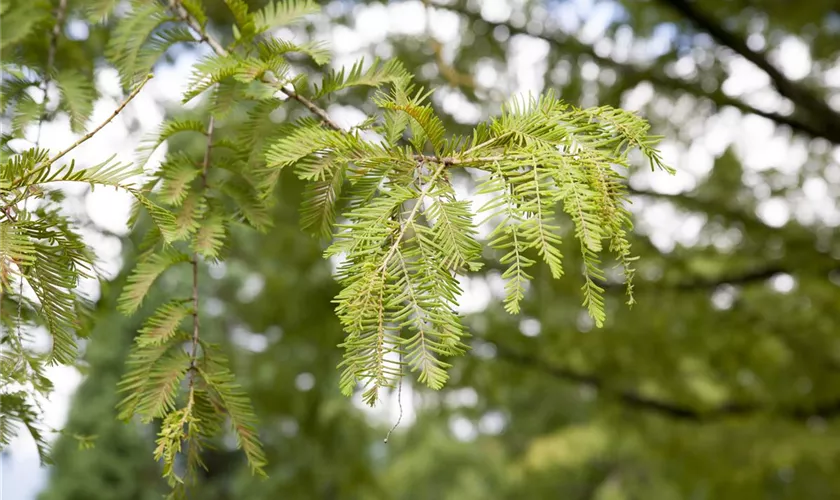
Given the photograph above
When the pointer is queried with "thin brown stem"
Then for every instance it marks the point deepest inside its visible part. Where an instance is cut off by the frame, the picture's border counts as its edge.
(99, 127)
(196, 324)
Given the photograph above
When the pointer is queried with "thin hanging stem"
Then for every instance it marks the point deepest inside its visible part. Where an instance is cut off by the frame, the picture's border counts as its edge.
(196, 323)
(399, 404)
(46, 164)
(93, 132)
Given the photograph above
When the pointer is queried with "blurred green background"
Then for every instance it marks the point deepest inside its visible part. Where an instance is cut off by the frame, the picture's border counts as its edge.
(723, 382)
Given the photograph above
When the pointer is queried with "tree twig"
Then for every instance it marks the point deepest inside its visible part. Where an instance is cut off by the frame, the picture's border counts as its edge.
(656, 77)
(101, 125)
(196, 324)
(819, 111)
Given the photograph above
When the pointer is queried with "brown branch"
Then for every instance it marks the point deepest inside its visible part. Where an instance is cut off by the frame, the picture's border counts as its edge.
(101, 125)
(820, 112)
(656, 77)
(670, 409)
(196, 324)
(707, 283)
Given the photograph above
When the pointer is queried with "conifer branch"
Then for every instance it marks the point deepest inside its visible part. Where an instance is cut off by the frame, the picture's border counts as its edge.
(541, 151)
(220, 50)
(409, 220)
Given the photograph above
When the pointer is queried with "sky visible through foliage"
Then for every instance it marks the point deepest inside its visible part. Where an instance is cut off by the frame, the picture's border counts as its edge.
(754, 139)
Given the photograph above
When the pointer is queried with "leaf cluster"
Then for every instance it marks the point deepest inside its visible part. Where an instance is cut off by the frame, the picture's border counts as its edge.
(379, 192)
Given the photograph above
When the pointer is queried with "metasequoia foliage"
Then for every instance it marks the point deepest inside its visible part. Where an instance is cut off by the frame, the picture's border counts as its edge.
(379, 192)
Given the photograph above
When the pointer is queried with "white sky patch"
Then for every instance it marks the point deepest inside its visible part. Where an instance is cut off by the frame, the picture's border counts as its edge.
(496, 10)
(248, 340)
(795, 57)
(528, 64)
(774, 212)
(407, 18)
(476, 295)
(783, 283)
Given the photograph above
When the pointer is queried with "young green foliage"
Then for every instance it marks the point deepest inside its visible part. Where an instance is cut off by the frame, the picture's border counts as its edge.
(380, 192)
(42, 251)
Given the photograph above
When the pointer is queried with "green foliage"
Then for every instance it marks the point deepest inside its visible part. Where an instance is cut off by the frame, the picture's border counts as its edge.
(276, 14)
(376, 75)
(128, 49)
(679, 397)
(403, 239)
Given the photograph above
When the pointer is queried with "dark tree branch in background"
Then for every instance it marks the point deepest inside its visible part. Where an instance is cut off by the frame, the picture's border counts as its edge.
(670, 409)
(710, 283)
(751, 276)
(819, 111)
(656, 77)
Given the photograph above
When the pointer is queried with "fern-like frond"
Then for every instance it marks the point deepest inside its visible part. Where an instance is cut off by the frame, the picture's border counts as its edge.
(16, 245)
(375, 76)
(539, 229)
(19, 410)
(161, 326)
(244, 28)
(177, 173)
(208, 71)
(60, 259)
(161, 388)
(77, 96)
(223, 388)
(144, 275)
(163, 219)
(168, 129)
(22, 19)
(107, 173)
(283, 13)
(130, 34)
(99, 10)
(249, 206)
(138, 64)
(142, 364)
(273, 47)
(318, 209)
(426, 124)
(189, 216)
(454, 232)
(578, 203)
(507, 236)
(177, 427)
(628, 130)
(210, 236)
